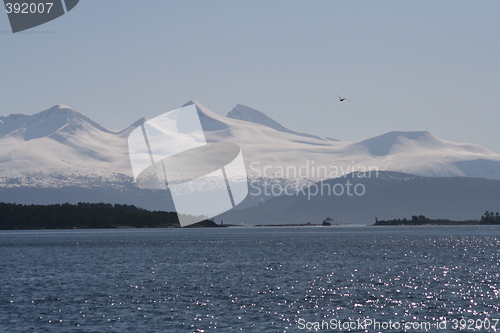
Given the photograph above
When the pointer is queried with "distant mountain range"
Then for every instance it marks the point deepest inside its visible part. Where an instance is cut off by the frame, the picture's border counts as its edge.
(60, 150)
(61, 147)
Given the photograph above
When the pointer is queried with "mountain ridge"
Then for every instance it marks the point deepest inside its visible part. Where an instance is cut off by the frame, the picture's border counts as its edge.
(62, 143)
(249, 114)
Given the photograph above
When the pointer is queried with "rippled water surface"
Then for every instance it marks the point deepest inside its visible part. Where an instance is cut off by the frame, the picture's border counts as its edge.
(245, 279)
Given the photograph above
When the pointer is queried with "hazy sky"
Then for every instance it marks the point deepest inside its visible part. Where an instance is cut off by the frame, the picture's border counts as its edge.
(406, 65)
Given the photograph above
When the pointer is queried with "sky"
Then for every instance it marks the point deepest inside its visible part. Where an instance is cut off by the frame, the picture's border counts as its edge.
(405, 65)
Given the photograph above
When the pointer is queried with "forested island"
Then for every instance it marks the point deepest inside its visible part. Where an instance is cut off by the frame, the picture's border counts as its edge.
(489, 218)
(87, 216)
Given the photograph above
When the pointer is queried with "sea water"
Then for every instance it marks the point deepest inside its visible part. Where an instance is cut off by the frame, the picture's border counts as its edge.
(269, 279)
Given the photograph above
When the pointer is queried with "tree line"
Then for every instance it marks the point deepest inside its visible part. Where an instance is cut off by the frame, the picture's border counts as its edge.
(86, 215)
(487, 218)
(490, 218)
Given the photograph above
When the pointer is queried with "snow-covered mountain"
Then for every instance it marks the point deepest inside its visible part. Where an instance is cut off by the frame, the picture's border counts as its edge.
(271, 152)
(246, 113)
(61, 147)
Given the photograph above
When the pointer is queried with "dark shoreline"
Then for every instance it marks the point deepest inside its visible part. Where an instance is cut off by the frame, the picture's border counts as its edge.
(88, 216)
(487, 219)
(108, 216)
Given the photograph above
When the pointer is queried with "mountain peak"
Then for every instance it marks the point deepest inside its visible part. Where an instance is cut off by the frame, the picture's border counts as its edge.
(381, 145)
(191, 102)
(136, 124)
(60, 110)
(61, 107)
(210, 121)
(46, 122)
(242, 112)
(195, 102)
(139, 122)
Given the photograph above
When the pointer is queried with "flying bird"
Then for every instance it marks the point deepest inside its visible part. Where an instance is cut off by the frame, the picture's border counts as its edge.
(343, 98)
